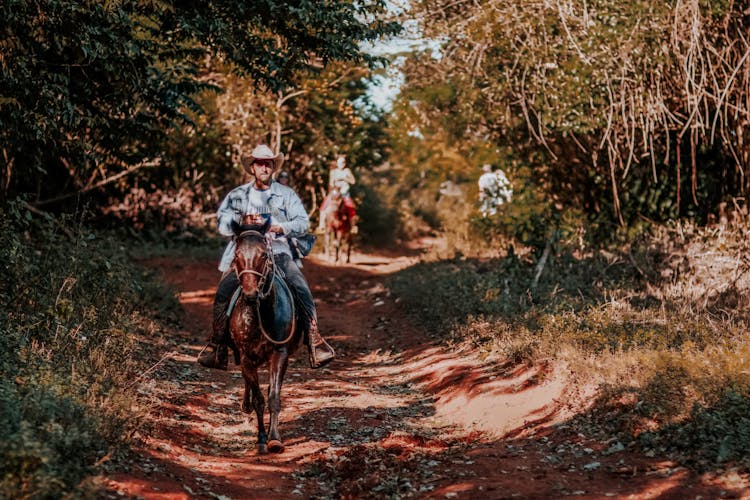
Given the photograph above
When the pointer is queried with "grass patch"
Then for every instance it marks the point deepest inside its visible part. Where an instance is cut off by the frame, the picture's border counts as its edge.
(661, 326)
(73, 307)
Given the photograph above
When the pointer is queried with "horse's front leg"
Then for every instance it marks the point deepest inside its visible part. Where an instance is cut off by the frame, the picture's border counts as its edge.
(257, 403)
(348, 247)
(276, 370)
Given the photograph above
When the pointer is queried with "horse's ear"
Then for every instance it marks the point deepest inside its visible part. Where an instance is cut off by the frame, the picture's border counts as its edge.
(235, 227)
(266, 225)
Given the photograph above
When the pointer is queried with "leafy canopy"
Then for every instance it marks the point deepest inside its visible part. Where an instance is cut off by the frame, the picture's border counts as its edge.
(622, 109)
(89, 88)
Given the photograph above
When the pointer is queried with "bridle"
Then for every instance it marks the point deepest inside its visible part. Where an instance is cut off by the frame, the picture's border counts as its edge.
(265, 284)
(265, 277)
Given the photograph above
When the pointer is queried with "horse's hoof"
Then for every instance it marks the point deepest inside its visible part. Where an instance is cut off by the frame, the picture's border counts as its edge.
(262, 449)
(275, 446)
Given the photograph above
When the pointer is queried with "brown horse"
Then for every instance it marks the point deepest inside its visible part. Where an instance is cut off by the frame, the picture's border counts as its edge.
(338, 227)
(263, 326)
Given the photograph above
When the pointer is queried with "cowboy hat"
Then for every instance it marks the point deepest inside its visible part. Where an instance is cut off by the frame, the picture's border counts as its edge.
(262, 152)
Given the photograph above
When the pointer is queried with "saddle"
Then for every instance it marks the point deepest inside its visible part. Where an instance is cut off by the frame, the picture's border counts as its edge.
(301, 247)
(303, 244)
(277, 312)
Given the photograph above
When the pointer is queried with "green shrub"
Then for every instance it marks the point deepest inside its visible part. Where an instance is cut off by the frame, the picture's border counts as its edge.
(718, 433)
(445, 293)
(715, 433)
(69, 322)
(51, 440)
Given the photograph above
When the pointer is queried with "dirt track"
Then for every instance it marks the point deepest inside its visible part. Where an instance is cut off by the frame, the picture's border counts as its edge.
(396, 415)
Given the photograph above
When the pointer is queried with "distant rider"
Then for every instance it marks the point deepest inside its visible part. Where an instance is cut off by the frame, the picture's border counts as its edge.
(340, 179)
(494, 190)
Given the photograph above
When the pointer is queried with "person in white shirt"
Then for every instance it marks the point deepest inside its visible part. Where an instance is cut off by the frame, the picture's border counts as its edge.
(494, 190)
(283, 178)
(340, 179)
(263, 195)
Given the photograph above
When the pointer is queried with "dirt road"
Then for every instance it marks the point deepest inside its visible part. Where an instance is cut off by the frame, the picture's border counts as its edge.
(396, 415)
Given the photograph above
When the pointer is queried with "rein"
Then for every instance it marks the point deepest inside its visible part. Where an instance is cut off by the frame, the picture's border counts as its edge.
(294, 320)
(265, 286)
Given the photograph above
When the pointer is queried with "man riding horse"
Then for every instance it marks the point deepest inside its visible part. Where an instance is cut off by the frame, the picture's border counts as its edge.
(339, 184)
(288, 217)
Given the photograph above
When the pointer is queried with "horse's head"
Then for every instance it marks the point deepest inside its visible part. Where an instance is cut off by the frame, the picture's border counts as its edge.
(253, 258)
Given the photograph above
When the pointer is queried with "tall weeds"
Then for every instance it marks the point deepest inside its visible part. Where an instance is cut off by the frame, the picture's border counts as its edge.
(660, 326)
(68, 326)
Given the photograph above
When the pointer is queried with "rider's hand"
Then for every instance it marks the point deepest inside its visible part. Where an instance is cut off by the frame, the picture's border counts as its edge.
(275, 228)
(252, 219)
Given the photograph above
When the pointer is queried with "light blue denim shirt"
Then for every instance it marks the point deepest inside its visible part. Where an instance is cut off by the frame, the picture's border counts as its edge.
(283, 204)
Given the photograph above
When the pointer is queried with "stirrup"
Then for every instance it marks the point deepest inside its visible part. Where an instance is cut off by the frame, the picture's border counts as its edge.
(320, 353)
(218, 358)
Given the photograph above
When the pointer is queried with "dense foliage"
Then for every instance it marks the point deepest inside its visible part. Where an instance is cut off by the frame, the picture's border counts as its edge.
(68, 333)
(91, 89)
(619, 110)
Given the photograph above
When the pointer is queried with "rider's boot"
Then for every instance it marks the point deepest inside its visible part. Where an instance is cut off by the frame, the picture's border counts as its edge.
(218, 355)
(320, 352)
(355, 227)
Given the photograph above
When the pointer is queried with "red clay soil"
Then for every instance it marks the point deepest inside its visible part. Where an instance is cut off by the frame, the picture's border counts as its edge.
(396, 415)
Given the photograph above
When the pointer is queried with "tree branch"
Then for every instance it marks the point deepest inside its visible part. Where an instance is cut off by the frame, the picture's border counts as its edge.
(101, 183)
